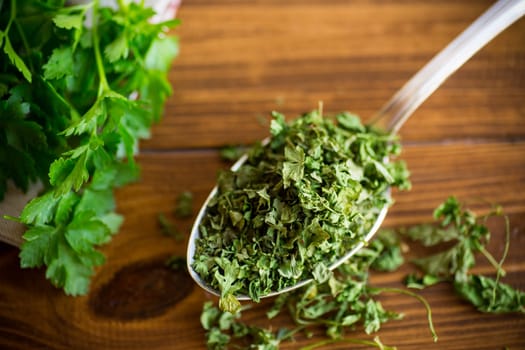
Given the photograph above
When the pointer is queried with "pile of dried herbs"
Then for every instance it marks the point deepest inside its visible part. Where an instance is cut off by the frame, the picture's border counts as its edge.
(297, 204)
(346, 301)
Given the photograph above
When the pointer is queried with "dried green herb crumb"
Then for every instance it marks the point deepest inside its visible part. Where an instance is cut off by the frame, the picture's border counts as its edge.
(184, 205)
(168, 228)
(232, 153)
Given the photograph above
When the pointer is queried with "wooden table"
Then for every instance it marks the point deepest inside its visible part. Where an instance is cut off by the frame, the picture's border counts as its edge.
(241, 59)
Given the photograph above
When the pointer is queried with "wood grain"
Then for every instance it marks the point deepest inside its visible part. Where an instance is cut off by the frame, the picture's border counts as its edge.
(240, 60)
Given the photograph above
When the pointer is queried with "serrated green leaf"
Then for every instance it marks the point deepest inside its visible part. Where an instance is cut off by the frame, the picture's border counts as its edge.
(86, 231)
(126, 173)
(21, 133)
(88, 122)
(67, 20)
(154, 92)
(16, 60)
(103, 178)
(374, 316)
(389, 260)
(129, 143)
(60, 63)
(71, 270)
(420, 282)
(68, 174)
(60, 169)
(113, 221)
(37, 244)
(161, 53)
(96, 201)
(117, 49)
(382, 169)
(65, 208)
(76, 152)
(40, 210)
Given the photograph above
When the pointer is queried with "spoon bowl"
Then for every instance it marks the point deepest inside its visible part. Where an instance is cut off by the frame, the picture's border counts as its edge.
(395, 113)
(202, 212)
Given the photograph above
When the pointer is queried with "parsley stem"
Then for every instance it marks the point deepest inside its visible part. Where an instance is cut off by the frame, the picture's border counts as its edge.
(290, 333)
(500, 272)
(103, 85)
(123, 6)
(12, 218)
(418, 297)
(74, 113)
(24, 42)
(12, 16)
(492, 261)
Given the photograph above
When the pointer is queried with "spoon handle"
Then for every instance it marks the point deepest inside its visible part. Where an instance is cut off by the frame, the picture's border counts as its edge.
(496, 19)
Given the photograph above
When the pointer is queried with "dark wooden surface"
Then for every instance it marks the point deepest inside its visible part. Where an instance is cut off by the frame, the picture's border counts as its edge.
(240, 60)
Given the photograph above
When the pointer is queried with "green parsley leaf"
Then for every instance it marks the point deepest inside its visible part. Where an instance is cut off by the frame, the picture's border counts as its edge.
(68, 174)
(85, 231)
(35, 251)
(71, 271)
(67, 20)
(60, 64)
(489, 295)
(161, 52)
(15, 59)
(118, 49)
(40, 210)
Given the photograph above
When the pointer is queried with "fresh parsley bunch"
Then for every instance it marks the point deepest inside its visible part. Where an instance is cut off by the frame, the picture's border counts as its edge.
(297, 204)
(79, 87)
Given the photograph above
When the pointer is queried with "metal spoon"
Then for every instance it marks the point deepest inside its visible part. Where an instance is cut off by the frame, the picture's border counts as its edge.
(400, 107)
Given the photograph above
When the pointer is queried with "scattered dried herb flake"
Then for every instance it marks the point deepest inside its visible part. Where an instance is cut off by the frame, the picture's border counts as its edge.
(470, 236)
